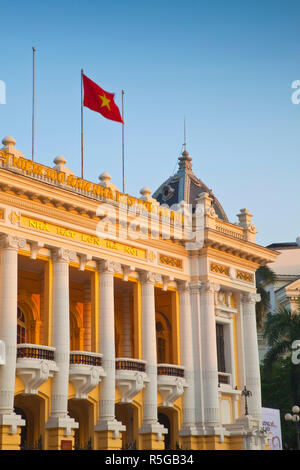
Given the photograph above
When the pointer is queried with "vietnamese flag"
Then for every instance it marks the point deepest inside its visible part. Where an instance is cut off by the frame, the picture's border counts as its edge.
(99, 100)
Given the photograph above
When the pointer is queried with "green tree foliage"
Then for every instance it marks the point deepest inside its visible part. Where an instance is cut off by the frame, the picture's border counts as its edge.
(280, 378)
(263, 276)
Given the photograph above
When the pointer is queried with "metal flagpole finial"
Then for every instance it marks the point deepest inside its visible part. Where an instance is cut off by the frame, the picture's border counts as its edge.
(123, 145)
(33, 98)
(81, 107)
(246, 393)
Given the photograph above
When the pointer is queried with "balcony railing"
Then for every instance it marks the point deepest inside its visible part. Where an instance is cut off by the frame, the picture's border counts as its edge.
(86, 358)
(171, 370)
(33, 351)
(130, 364)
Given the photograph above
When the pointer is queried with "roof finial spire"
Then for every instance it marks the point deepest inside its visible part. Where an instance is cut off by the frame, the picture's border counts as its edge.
(185, 159)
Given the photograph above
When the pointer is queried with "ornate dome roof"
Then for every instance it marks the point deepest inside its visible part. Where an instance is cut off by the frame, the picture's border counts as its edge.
(185, 186)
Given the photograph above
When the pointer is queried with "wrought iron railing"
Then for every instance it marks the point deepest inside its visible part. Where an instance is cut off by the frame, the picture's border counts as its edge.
(169, 369)
(130, 364)
(85, 357)
(34, 351)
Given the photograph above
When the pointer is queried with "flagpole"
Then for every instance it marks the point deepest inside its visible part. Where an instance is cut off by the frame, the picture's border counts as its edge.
(123, 159)
(81, 124)
(33, 92)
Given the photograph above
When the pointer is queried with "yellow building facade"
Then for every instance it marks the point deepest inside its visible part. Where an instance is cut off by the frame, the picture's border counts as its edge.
(125, 323)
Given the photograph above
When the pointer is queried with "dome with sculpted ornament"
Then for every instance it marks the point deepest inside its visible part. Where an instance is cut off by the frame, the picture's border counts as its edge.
(185, 186)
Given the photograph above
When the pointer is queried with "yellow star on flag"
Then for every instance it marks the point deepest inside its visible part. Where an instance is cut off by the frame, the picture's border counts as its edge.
(105, 101)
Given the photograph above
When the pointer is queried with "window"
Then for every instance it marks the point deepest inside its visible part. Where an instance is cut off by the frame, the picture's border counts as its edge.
(21, 327)
(160, 343)
(220, 347)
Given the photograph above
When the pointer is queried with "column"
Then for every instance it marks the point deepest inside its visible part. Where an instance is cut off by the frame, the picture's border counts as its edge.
(60, 426)
(252, 372)
(108, 428)
(195, 291)
(87, 317)
(126, 325)
(9, 422)
(151, 429)
(209, 355)
(187, 359)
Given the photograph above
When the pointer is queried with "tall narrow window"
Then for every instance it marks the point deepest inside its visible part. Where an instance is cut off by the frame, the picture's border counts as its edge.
(220, 347)
(21, 327)
(160, 343)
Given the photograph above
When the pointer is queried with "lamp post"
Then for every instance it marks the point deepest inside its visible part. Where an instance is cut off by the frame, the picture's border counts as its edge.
(246, 393)
(294, 419)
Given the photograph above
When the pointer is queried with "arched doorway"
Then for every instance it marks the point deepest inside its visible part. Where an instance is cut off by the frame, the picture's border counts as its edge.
(23, 442)
(164, 420)
(127, 414)
(32, 410)
(82, 412)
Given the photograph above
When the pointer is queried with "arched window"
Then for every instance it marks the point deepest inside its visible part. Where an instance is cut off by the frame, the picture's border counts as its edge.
(73, 333)
(160, 343)
(163, 339)
(21, 327)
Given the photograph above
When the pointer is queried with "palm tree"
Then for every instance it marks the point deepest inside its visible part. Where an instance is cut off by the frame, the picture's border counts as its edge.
(264, 275)
(281, 329)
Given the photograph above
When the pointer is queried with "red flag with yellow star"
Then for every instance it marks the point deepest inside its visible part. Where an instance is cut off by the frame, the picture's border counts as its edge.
(99, 100)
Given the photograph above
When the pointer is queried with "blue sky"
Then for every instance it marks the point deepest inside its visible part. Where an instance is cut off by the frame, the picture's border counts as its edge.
(227, 66)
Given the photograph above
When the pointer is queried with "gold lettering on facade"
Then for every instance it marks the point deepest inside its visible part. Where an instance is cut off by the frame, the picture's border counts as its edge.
(36, 169)
(82, 237)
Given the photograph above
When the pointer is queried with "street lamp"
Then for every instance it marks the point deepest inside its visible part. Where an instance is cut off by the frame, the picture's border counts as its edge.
(294, 419)
(246, 393)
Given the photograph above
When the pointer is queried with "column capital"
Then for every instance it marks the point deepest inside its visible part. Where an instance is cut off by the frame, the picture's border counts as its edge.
(149, 277)
(183, 286)
(250, 297)
(210, 286)
(195, 286)
(12, 242)
(62, 254)
(106, 266)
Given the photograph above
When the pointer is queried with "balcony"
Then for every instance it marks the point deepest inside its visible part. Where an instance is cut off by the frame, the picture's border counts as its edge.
(131, 377)
(85, 372)
(170, 383)
(35, 364)
(224, 378)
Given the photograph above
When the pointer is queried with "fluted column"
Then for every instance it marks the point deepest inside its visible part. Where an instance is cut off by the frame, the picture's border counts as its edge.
(150, 423)
(9, 246)
(252, 372)
(107, 421)
(209, 354)
(87, 318)
(126, 326)
(61, 341)
(187, 359)
(195, 293)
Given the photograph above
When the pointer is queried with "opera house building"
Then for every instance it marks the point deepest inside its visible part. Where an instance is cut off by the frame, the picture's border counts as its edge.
(125, 322)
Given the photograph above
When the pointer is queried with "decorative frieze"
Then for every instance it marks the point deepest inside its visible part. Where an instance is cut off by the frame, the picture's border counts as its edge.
(170, 261)
(219, 269)
(245, 276)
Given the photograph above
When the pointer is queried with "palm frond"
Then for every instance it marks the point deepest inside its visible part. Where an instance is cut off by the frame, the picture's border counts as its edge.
(276, 352)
